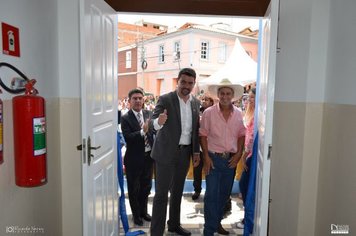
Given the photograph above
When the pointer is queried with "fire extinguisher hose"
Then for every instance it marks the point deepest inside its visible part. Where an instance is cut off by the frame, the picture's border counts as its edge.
(14, 91)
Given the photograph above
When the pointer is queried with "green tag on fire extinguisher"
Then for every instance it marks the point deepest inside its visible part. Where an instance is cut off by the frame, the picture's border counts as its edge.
(39, 136)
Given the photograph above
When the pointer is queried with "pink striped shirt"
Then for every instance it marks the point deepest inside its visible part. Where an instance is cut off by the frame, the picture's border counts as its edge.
(222, 135)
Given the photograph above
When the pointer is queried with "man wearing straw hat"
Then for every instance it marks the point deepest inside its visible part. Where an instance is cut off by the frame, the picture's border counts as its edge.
(222, 134)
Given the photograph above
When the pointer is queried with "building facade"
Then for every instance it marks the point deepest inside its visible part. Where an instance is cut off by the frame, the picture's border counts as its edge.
(159, 59)
(130, 38)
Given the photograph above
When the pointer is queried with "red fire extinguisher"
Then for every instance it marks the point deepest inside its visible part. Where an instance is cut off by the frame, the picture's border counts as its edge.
(29, 138)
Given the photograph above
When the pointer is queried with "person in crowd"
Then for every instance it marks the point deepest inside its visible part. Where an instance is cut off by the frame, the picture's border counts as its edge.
(125, 106)
(122, 139)
(138, 162)
(247, 153)
(176, 119)
(222, 136)
(206, 101)
(244, 102)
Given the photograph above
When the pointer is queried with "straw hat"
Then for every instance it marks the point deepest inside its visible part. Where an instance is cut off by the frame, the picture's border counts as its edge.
(226, 83)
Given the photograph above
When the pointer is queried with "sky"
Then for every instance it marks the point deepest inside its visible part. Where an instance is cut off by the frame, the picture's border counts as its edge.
(172, 21)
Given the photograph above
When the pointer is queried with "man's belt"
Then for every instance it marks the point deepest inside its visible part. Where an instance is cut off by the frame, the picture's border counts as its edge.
(224, 155)
(180, 146)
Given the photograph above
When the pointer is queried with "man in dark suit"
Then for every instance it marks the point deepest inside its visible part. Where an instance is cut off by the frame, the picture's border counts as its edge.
(137, 160)
(176, 120)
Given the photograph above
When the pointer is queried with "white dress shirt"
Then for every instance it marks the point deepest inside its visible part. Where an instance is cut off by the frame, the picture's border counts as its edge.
(186, 121)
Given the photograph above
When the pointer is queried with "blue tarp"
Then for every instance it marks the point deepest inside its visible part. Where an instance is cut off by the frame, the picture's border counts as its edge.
(251, 189)
(122, 207)
(250, 196)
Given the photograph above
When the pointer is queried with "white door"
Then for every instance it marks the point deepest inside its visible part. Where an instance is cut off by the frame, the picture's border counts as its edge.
(98, 32)
(265, 115)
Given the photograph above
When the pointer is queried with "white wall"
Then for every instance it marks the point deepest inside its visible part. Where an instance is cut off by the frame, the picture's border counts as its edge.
(39, 206)
(341, 81)
(337, 186)
(37, 24)
(69, 48)
(303, 31)
(70, 119)
(313, 135)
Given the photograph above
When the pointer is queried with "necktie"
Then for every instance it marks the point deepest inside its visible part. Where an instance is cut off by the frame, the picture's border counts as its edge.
(140, 121)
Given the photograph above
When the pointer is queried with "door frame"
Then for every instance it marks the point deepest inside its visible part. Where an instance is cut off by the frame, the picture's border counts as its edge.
(202, 10)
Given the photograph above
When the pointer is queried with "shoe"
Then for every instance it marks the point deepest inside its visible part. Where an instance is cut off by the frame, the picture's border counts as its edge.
(240, 225)
(222, 231)
(195, 195)
(138, 221)
(180, 231)
(146, 217)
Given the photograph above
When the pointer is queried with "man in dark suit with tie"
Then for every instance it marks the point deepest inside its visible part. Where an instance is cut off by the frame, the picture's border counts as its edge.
(137, 160)
(176, 121)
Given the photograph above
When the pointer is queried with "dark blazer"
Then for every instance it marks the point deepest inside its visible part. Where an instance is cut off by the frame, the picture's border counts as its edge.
(165, 147)
(135, 144)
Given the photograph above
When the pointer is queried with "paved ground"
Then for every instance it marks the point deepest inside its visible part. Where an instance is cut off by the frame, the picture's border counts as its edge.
(192, 216)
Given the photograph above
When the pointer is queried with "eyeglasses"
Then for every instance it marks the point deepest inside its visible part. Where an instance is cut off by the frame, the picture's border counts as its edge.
(247, 98)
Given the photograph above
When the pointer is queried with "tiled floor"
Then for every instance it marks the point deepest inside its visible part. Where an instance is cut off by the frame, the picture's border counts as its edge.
(192, 216)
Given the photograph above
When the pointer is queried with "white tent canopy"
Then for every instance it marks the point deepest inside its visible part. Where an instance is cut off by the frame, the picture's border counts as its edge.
(240, 68)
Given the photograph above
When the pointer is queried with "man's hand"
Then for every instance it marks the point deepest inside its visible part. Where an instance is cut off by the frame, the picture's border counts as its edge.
(196, 159)
(162, 118)
(208, 164)
(234, 160)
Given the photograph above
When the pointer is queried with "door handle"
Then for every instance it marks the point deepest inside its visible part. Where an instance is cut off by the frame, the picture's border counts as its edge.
(89, 150)
(95, 148)
(81, 147)
(269, 151)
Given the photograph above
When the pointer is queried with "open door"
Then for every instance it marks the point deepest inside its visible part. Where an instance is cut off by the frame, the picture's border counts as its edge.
(265, 96)
(98, 32)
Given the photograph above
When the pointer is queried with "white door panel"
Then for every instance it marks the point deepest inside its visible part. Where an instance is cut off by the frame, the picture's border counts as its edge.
(265, 115)
(99, 117)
